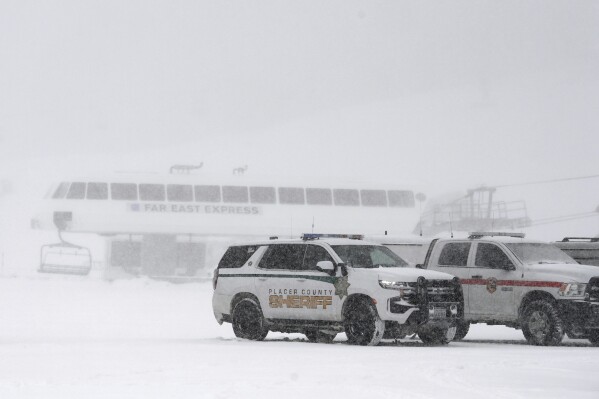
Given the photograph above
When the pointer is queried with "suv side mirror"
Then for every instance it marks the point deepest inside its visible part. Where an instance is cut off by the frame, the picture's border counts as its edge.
(325, 266)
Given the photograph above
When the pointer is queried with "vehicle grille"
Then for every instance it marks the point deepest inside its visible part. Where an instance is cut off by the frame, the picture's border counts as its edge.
(593, 290)
(442, 290)
(437, 291)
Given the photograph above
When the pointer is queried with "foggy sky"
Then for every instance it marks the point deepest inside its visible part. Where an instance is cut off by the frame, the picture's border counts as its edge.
(447, 94)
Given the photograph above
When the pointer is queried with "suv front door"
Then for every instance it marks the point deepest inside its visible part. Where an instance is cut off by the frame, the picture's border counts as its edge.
(289, 286)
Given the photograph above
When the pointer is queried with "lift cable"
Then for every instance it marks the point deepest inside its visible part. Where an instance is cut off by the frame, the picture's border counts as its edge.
(564, 218)
(549, 181)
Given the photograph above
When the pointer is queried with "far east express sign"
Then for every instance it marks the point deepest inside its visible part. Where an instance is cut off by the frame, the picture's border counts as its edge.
(152, 207)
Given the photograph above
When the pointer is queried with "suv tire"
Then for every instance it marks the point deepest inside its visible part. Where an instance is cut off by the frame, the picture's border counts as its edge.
(541, 324)
(248, 321)
(319, 336)
(462, 328)
(594, 337)
(363, 326)
(437, 335)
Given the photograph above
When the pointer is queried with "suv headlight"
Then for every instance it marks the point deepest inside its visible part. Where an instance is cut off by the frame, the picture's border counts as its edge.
(572, 289)
(403, 287)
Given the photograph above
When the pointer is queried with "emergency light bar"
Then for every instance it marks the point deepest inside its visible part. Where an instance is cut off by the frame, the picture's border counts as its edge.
(316, 236)
(480, 234)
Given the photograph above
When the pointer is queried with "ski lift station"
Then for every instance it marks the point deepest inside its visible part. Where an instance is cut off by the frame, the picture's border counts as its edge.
(176, 226)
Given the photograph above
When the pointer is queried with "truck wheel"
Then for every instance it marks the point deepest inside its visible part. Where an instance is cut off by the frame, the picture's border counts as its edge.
(462, 328)
(437, 335)
(319, 336)
(594, 337)
(248, 321)
(363, 326)
(541, 324)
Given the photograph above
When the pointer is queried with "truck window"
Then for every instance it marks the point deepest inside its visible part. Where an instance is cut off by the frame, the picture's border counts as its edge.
(490, 255)
(454, 254)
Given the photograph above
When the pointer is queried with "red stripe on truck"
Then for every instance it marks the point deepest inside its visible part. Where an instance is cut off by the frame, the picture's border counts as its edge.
(513, 283)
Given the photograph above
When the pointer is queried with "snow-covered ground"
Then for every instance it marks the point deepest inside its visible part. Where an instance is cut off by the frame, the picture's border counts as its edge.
(82, 337)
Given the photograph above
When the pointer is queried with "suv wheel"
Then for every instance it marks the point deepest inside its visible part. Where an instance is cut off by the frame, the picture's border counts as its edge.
(462, 328)
(248, 321)
(594, 337)
(363, 326)
(319, 336)
(541, 324)
(437, 335)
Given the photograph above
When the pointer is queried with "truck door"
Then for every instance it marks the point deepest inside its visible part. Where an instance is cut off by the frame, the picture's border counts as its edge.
(490, 293)
(453, 259)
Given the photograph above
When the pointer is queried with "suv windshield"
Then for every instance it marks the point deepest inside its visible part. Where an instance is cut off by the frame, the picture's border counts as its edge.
(368, 256)
(539, 253)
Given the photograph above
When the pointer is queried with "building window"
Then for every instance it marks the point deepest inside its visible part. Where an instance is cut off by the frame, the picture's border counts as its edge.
(346, 197)
(262, 195)
(151, 192)
(291, 195)
(61, 191)
(237, 194)
(403, 199)
(319, 196)
(97, 191)
(123, 191)
(179, 192)
(373, 197)
(76, 191)
(207, 193)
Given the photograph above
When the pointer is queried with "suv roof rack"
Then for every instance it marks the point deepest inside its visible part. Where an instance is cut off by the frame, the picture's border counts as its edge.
(479, 234)
(316, 236)
(589, 239)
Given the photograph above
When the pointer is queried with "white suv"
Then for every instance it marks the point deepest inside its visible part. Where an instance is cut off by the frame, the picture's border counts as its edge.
(322, 285)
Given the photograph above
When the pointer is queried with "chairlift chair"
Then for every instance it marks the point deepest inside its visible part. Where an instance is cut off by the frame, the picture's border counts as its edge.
(64, 257)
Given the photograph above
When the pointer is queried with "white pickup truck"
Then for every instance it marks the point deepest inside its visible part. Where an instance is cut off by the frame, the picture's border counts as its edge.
(520, 283)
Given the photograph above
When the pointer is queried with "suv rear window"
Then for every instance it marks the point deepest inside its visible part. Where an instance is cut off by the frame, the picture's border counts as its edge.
(236, 257)
(284, 256)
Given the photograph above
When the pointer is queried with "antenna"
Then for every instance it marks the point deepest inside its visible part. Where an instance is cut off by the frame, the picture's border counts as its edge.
(312, 224)
(450, 226)
(420, 205)
(420, 197)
